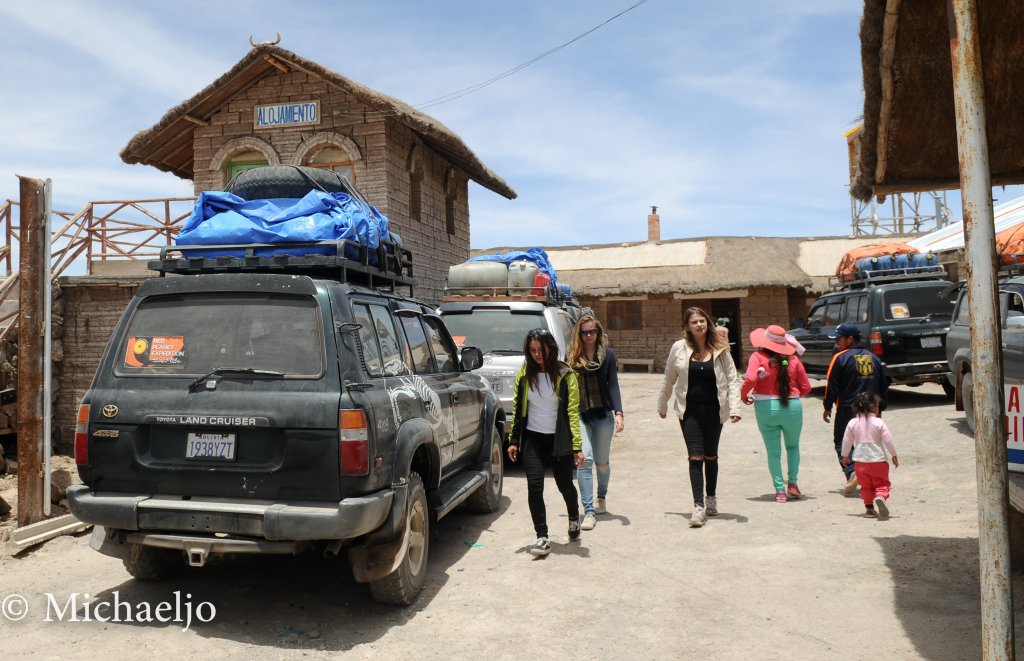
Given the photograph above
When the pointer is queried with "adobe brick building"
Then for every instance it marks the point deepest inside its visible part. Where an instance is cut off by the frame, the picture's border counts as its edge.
(274, 107)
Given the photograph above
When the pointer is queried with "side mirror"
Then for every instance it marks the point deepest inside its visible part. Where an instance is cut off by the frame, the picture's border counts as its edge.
(798, 322)
(470, 358)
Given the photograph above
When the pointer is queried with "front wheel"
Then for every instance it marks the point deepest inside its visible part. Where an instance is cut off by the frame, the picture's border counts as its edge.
(402, 586)
(948, 389)
(967, 395)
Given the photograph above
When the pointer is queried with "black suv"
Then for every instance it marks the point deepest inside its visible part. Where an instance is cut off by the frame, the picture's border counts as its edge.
(902, 320)
(276, 404)
(958, 342)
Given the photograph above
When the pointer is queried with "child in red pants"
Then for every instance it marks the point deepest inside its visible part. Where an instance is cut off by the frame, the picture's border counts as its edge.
(866, 441)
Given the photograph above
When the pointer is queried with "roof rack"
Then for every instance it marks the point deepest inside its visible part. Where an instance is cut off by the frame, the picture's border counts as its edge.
(865, 278)
(388, 266)
(552, 295)
(1015, 267)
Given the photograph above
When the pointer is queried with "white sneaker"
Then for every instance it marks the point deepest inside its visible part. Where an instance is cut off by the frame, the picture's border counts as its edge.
(711, 506)
(600, 509)
(698, 517)
(881, 507)
(588, 521)
(541, 548)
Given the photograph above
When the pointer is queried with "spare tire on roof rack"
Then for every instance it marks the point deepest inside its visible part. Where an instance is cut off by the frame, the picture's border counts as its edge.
(288, 181)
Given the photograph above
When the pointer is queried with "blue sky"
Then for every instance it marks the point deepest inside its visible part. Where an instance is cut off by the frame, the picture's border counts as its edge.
(727, 116)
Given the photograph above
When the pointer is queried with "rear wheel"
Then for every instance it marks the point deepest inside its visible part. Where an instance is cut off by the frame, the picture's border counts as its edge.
(148, 563)
(967, 395)
(948, 389)
(402, 586)
(487, 498)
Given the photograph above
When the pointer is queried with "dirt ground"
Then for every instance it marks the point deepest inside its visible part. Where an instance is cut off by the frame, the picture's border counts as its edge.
(811, 579)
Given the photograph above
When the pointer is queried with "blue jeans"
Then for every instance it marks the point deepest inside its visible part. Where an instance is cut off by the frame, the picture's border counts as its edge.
(597, 448)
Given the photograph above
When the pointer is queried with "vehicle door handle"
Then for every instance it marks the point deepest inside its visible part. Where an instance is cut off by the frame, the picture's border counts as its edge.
(455, 397)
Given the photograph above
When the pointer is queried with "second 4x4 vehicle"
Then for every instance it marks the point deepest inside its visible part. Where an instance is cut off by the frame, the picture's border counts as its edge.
(284, 403)
(902, 320)
(958, 342)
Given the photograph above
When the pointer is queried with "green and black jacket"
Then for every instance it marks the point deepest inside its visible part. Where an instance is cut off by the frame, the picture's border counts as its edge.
(567, 424)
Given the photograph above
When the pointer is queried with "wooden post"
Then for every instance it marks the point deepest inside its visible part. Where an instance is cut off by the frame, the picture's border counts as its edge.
(30, 354)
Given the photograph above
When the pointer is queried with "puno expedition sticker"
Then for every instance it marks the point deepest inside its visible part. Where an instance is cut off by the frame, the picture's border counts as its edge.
(155, 351)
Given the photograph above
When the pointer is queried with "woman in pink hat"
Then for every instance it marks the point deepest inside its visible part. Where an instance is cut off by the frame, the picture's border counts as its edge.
(774, 382)
(702, 377)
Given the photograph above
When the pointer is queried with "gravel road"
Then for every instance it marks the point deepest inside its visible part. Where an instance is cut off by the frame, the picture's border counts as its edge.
(811, 579)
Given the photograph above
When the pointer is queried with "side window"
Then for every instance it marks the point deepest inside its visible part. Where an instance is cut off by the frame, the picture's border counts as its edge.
(422, 361)
(440, 344)
(395, 362)
(962, 316)
(856, 309)
(833, 312)
(368, 340)
(1015, 312)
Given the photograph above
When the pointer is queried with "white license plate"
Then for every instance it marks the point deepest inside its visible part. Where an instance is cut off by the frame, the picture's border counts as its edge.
(931, 342)
(495, 385)
(210, 446)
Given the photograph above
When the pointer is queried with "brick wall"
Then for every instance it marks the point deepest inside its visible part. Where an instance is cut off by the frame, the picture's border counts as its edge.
(386, 151)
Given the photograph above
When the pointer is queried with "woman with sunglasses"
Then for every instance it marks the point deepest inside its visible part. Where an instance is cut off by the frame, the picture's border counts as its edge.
(600, 411)
(702, 374)
(545, 431)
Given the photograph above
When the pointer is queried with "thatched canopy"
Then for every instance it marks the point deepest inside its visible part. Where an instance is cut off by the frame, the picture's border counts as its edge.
(167, 145)
(909, 138)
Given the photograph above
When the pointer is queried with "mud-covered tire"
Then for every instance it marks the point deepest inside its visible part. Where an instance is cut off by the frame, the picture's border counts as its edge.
(286, 181)
(402, 586)
(967, 396)
(948, 389)
(147, 563)
(487, 498)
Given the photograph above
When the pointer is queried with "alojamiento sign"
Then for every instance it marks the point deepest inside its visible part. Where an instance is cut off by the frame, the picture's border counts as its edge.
(287, 114)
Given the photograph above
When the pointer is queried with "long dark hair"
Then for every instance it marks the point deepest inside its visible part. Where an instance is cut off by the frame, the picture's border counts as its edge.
(711, 339)
(783, 378)
(550, 349)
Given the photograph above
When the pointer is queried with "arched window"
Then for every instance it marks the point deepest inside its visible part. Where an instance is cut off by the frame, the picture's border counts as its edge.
(245, 160)
(331, 157)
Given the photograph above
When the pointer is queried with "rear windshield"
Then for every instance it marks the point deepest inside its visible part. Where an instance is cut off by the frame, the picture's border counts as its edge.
(916, 303)
(493, 331)
(192, 335)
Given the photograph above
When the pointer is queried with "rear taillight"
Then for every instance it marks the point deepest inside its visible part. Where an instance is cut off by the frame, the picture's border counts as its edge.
(353, 442)
(876, 343)
(82, 436)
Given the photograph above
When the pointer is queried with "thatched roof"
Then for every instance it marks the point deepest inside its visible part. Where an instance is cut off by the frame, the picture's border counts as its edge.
(695, 266)
(909, 138)
(167, 145)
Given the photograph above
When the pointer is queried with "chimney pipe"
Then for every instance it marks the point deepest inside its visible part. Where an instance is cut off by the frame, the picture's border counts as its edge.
(654, 225)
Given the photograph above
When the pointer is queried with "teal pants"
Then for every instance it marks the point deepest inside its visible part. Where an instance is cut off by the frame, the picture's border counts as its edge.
(777, 422)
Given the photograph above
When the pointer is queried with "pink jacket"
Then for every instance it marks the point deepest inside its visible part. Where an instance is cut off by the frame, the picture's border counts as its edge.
(768, 384)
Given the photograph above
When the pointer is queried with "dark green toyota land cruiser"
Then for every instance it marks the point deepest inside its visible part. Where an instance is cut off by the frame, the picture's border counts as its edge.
(278, 404)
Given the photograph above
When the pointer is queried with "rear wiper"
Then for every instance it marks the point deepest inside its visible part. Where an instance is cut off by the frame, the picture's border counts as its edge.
(236, 371)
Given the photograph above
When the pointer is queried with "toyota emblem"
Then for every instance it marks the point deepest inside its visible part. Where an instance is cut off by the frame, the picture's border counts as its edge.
(109, 411)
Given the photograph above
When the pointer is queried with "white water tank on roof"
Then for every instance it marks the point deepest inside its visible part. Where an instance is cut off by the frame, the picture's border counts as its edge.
(478, 279)
(522, 275)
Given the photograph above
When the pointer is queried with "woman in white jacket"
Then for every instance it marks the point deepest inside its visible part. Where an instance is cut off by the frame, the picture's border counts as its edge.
(701, 373)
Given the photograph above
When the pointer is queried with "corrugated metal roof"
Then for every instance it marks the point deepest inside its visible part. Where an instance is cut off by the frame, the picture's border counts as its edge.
(819, 257)
(629, 256)
(951, 237)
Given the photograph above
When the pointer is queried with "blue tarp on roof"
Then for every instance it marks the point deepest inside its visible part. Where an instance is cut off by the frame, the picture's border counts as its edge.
(535, 255)
(220, 218)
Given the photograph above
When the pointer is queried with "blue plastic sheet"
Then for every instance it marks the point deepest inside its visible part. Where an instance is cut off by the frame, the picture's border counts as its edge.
(220, 218)
(535, 255)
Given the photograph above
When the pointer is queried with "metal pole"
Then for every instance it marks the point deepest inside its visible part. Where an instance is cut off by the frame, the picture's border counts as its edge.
(989, 426)
(46, 282)
(30, 364)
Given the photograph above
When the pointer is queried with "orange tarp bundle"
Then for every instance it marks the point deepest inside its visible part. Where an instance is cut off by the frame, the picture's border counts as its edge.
(1010, 242)
(846, 268)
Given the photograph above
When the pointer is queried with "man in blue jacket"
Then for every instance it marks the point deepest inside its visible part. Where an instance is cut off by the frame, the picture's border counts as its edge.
(852, 371)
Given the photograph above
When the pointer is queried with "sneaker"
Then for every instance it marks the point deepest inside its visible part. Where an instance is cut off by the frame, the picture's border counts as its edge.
(541, 548)
(600, 509)
(698, 517)
(588, 521)
(780, 497)
(869, 512)
(793, 491)
(851, 485)
(574, 529)
(711, 506)
(882, 507)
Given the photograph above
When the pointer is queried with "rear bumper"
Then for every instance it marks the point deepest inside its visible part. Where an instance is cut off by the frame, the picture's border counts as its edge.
(348, 519)
(934, 371)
